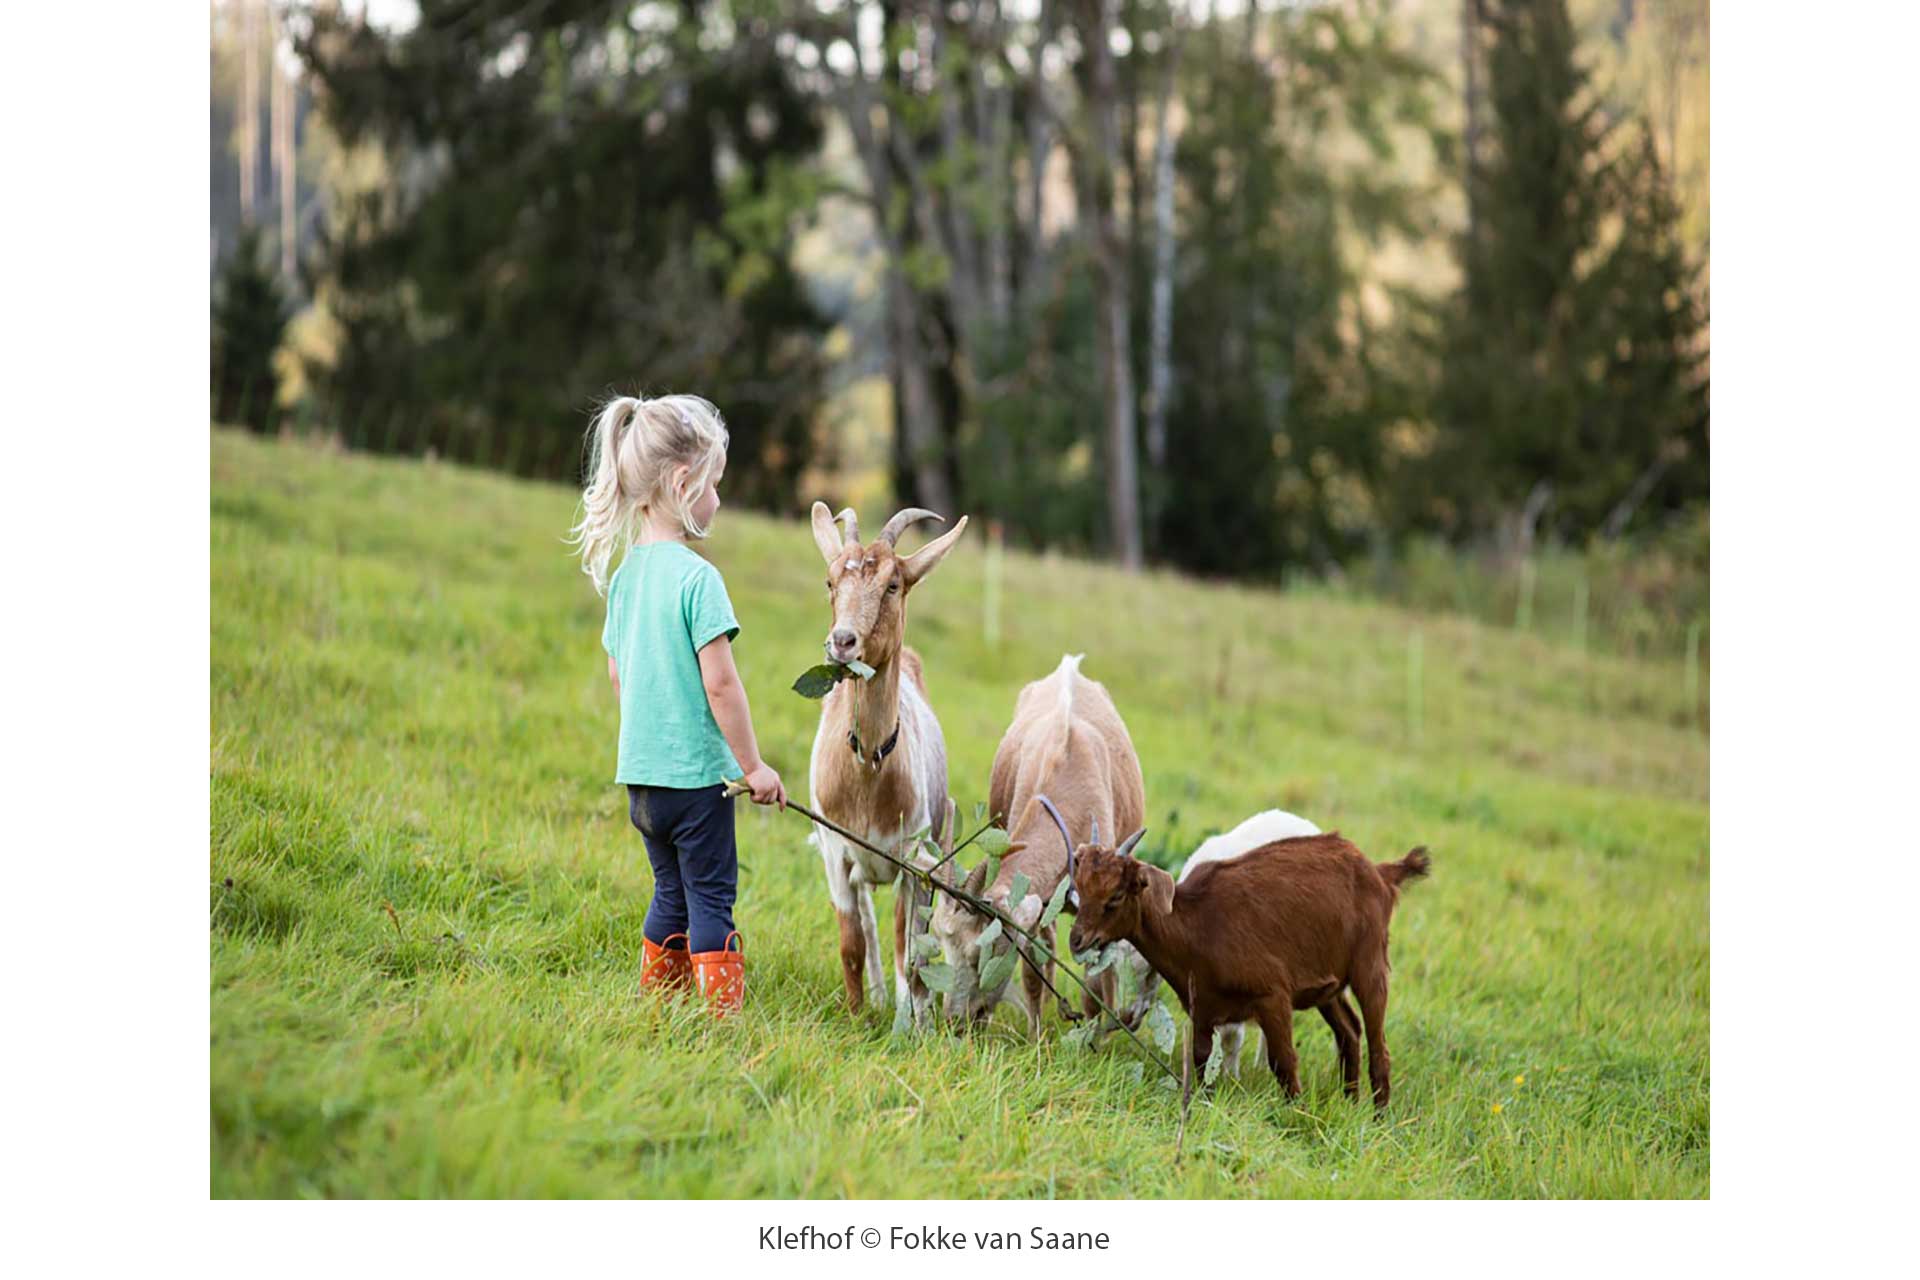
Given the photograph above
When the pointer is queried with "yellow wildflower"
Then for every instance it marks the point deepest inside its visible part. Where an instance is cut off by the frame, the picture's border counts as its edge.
(1520, 1079)
(1496, 1108)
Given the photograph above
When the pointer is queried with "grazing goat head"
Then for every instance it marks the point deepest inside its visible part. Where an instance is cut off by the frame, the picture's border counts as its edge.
(959, 927)
(1110, 886)
(867, 585)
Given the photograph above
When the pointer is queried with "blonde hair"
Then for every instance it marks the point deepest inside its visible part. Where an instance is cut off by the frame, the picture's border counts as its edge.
(633, 447)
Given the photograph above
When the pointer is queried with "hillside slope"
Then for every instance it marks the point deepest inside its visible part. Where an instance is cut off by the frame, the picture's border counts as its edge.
(426, 900)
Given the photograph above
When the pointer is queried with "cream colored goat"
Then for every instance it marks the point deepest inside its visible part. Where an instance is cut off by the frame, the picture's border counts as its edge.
(879, 765)
(1068, 742)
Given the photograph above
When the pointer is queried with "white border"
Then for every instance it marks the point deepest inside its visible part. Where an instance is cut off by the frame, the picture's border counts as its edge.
(1813, 682)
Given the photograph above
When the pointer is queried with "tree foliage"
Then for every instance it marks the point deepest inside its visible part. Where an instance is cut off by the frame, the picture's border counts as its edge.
(1571, 389)
(594, 197)
(1081, 214)
(249, 319)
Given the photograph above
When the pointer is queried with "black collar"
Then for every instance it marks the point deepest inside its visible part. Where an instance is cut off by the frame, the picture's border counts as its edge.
(886, 748)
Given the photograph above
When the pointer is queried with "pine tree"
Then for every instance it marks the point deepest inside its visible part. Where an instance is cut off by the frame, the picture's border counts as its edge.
(1571, 384)
(249, 319)
(1656, 381)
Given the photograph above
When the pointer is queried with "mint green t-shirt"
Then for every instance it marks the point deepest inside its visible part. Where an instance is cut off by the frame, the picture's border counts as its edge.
(663, 606)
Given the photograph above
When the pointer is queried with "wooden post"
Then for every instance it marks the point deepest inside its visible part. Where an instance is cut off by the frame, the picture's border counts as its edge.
(1414, 690)
(990, 596)
(1580, 612)
(1693, 673)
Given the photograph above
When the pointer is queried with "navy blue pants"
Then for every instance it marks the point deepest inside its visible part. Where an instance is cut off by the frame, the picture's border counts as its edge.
(689, 835)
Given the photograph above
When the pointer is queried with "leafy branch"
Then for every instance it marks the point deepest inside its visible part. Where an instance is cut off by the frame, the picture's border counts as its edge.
(1032, 952)
(818, 681)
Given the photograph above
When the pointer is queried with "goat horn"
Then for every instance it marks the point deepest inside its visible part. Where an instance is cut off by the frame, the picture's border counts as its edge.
(849, 523)
(901, 519)
(1126, 846)
(1061, 823)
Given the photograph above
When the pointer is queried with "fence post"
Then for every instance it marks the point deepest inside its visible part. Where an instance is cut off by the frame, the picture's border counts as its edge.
(990, 597)
(1580, 612)
(1693, 673)
(1414, 694)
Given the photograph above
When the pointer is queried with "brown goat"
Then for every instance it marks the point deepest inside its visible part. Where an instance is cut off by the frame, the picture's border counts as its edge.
(1289, 925)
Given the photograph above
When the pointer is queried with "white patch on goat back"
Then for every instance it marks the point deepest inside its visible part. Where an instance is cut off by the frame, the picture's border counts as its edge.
(1261, 829)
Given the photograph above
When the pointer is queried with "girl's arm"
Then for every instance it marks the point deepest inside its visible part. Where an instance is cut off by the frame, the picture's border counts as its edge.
(613, 674)
(728, 698)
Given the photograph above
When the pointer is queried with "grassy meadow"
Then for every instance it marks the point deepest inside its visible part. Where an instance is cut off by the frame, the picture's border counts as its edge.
(425, 898)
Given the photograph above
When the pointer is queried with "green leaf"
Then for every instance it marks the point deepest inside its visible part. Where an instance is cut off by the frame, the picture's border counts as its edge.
(1215, 1061)
(1159, 1024)
(993, 842)
(1058, 900)
(924, 946)
(995, 970)
(860, 669)
(937, 977)
(990, 935)
(1083, 1033)
(1017, 891)
(1137, 1072)
(817, 682)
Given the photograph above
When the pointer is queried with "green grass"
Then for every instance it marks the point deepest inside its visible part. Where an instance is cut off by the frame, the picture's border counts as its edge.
(410, 707)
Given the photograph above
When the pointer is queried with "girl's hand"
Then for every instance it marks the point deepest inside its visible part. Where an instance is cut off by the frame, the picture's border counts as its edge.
(765, 786)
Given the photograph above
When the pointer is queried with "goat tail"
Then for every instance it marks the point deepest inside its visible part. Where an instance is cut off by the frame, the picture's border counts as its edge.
(1412, 867)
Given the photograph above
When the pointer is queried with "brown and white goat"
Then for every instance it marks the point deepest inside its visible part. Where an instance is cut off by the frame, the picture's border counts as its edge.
(1289, 925)
(1066, 742)
(879, 765)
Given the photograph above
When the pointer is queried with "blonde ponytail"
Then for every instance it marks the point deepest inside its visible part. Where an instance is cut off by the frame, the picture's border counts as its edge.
(633, 447)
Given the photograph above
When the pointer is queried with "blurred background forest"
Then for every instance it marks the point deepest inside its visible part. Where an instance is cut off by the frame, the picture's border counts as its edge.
(1406, 297)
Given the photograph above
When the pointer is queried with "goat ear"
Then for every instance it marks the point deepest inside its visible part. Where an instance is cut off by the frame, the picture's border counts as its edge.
(926, 559)
(1156, 887)
(977, 879)
(825, 535)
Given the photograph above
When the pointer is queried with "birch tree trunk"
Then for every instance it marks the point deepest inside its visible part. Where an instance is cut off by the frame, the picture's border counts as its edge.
(1160, 335)
(249, 108)
(1111, 270)
(916, 411)
(284, 162)
(1470, 137)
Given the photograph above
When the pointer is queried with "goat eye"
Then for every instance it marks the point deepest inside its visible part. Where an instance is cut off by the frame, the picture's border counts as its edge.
(893, 588)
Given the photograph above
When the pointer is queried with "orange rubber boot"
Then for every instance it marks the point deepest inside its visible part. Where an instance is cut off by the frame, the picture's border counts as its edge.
(664, 968)
(721, 976)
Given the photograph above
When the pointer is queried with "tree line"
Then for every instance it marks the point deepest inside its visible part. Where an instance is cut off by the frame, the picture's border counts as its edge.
(1120, 291)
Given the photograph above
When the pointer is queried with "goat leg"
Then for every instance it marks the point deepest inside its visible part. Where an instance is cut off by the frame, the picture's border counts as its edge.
(1276, 1021)
(1346, 1040)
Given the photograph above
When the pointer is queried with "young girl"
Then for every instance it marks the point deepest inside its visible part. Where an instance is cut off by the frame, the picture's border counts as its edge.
(655, 467)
